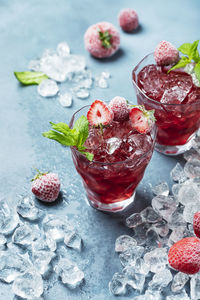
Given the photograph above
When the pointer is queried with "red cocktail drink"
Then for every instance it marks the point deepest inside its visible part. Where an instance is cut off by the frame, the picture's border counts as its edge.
(176, 101)
(121, 155)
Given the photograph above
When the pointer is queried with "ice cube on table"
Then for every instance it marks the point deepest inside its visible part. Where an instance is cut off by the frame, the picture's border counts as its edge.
(175, 189)
(179, 281)
(9, 218)
(161, 279)
(161, 189)
(28, 285)
(176, 235)
(69, 272)
(195, 286)
(34, 65)
(192, 168)
(191, 154)
(63, 49)
(189, 194)
(131, 255)
(45, 243)
(190, 210)
(176, 220)
(150, 215)
(117, 285)
(164, 206)
(178, 174)
(41, 260)
(80, 92)
(73, 240)
(140, 266)
(156, 259)
(25, 234)
(179, 296)
(3, 242)
(161, 228)
(47, 88)
(105, 74)
(134, 220)
(134, 279)
(83, 78)
(12, 265)
(26, 208)
(65, 99)
(124, 242)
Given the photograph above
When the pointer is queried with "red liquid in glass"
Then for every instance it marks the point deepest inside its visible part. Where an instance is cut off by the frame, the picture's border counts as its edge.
(120, 158)
(178, 109)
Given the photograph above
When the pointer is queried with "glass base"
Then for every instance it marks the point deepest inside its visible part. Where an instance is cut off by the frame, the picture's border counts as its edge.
(112, 207)
(175, 150)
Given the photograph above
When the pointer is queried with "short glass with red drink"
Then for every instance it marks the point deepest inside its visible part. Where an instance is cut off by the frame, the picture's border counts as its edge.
(176, 101)
(121, 157)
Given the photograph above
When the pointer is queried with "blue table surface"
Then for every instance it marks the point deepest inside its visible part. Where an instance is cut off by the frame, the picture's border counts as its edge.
(26, 29)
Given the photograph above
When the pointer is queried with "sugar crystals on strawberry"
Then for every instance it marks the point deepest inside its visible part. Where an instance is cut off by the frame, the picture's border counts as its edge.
(166, 54)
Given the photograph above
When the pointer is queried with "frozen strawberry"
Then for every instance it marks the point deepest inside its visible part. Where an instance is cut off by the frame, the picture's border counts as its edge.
(166, 54)
(128, 19)
(141, 118)
(102, 39)
(46, 186)
(120, 108)
(99, 113)
(196, 224)
(184, 256)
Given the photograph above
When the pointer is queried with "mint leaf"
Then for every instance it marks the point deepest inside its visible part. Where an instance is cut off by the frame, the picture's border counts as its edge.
(30, 78)
(81, 126)
(180, 64)
(88, 155)
(63, 139)
(194, 52)
(185, 49)
(197, 70)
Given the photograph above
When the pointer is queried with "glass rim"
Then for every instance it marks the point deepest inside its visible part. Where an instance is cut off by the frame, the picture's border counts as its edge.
(152, 100)
(153, 130)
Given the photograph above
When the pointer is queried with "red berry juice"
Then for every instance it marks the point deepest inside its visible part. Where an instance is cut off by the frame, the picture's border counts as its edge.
(120, 157)
(176, 101)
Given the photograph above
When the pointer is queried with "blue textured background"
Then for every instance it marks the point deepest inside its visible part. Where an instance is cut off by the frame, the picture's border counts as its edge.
(26, 29)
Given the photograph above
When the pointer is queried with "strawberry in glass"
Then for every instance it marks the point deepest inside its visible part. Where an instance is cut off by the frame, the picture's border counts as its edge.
(111, 146)
(170, 84)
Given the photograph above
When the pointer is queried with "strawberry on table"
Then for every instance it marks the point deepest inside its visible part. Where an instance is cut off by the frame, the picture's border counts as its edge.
(141, 118)
(46, 186)
(99, 114)
(196, 223)
(184, 255)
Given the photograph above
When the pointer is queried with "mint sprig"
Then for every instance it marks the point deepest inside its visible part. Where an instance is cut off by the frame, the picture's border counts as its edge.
(30, 78)
(105, 38)
(190, 50)
(66, 136)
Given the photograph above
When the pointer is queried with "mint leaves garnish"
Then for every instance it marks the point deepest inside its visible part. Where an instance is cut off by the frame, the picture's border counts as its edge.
(30, 78)
(191, 55)
(105, 38)
(66, 136)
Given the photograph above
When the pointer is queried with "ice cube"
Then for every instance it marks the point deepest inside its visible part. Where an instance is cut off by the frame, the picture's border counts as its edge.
(73, 240)
(65, 99)
(113, 144)
(189, 68)
(150, 215)
(80, 92)
(102, 83)
(117, 285)
(190, 210)
(12, 265)
(176, 235)
(180, 296)
(161, 279)
(178, 174)
(3, 242)
(25, 234)
(192, 168)
(189, 194)
(34, 65)
(28, 285)
(161, 189)
(174, 95)
(156, 259)
(26, 208)
(161, 228)
(83, 78)
(124, 242)
(139, 266)
(69, 272)
(47, 88)
(164, 206)
(176, 220)
(179, 281)
(130, 255)
(45, 243)
(134, 220)
(191, 154)
(134, 279)
(195, 286)
(63, 49)
(41, 260)
(140, 233)
(73, 63)
(55, 227)
(175, 189)
(105, 74)
(9, 218)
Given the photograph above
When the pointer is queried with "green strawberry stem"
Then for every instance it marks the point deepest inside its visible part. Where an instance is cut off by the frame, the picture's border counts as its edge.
(38, 175)
(105, 38)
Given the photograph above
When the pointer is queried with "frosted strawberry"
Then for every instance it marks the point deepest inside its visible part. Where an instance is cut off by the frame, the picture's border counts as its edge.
(184, 256)
(141, 118)
(166, 54)
(99, 114)
(102, 39)
(128, 19)
(120, 108)
(196, 224)
(46, 186)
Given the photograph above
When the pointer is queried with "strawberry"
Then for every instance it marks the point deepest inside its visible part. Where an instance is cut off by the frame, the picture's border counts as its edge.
(141, 118)
(120, 108)
(184, 255)
(99, 114)
(46, 186)
(165, 54)
(196, 224)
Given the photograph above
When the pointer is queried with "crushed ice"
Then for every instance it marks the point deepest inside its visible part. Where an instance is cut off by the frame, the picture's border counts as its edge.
(144, 253)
